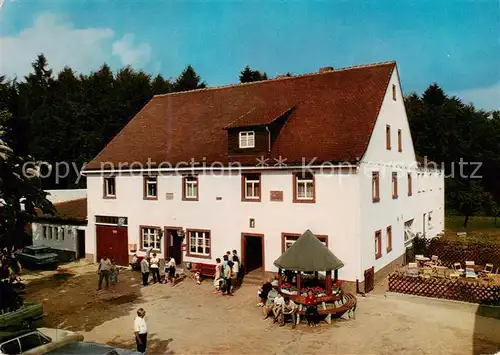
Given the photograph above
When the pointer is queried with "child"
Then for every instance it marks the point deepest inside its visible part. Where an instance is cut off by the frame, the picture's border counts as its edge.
(197, 277)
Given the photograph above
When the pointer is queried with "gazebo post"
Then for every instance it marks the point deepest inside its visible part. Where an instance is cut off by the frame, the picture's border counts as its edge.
(280, 282)
(299, 276)
(329, 282)
(336, 275)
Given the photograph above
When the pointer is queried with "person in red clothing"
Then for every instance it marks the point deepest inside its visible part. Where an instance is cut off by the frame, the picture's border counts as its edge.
(312, 309)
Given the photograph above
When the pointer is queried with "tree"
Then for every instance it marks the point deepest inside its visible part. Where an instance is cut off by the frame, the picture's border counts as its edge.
(248, 75)
(20, 198)
(188, 80)
(160, 86)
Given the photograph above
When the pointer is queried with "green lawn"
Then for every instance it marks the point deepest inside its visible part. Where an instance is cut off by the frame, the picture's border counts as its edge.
(455, 223)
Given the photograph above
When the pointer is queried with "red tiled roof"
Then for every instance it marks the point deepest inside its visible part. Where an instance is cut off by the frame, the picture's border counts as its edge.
(73, 210)
(332, 120)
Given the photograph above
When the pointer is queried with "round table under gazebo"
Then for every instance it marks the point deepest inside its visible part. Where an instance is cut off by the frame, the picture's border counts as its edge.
(309, 256)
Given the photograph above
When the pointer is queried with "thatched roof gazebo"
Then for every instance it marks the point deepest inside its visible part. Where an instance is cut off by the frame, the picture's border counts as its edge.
(309, 254)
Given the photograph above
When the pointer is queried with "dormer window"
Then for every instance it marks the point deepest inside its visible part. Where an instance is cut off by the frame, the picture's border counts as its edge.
(247, 139)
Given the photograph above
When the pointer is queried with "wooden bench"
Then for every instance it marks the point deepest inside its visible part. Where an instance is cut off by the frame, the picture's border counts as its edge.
(204, 269)
(323, 311)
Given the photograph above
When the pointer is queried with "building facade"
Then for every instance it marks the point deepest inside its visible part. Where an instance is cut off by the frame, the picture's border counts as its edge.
(250, 167)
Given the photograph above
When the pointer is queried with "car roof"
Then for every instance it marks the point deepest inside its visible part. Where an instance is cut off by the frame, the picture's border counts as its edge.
(6, 335)
(84, 348)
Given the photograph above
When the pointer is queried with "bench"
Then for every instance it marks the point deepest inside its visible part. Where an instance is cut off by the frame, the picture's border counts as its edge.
(328, 312)
(204, 269)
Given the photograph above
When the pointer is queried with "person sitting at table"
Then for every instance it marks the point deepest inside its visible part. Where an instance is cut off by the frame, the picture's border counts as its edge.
(269, 305)
(312, 309)
(264, 291)
(289, 309)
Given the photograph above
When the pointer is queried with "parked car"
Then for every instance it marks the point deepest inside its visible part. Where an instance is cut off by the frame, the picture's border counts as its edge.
(37, 257)
(85, 348)
(24, 317)
(31, 342)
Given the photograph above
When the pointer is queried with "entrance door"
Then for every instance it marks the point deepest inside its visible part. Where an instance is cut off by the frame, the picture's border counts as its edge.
(252, 252)
(113, 242)
(173, 245)
(80, 243)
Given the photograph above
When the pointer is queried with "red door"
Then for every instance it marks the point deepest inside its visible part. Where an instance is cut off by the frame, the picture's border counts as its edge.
(113, 242)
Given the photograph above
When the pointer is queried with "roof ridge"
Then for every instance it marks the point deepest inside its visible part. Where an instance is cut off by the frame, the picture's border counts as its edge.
(353, 67)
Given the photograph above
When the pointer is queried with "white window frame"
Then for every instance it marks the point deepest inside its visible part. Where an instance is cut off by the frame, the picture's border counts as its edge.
(247, 139)
(150, 181)
(378, 237)
(107, 187)
(199, 239)
(301, 180)
(408, 230)
(152, 236)
(429, 221)
(190, 182)
(255, 188)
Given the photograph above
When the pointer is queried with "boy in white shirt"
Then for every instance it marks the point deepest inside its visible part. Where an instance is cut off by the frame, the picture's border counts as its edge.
(141, 331)
(154, 266)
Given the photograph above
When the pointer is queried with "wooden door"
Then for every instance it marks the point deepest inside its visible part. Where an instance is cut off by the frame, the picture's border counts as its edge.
(113, 242)
(369, 279)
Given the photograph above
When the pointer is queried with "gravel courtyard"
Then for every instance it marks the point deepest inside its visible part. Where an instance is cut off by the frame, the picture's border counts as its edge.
(190, 319)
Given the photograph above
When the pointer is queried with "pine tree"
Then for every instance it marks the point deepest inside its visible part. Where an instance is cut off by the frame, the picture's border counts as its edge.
(188, 80)
(248, 75)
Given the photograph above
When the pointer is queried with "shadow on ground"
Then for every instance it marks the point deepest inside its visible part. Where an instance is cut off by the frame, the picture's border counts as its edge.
(72, 302)
(484, 326)
(154, 345)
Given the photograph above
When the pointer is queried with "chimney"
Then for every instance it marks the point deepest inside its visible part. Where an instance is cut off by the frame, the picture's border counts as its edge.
(325, 69)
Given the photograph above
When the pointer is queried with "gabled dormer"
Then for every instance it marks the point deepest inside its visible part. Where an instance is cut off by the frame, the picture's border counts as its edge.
(255, 132)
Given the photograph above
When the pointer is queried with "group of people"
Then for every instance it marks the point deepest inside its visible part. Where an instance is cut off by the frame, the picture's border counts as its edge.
(150, 264)
(107, 271)
(227, 273)
(280, 307)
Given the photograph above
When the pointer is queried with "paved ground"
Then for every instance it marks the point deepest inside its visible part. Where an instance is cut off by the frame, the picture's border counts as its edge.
(190, 319)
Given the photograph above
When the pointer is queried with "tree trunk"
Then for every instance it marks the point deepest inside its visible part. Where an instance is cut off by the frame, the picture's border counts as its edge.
(466, 220)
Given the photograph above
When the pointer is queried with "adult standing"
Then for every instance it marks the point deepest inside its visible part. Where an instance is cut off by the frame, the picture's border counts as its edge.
(141, 331)
(236, 268)
(103, 270)
(155, 268)
(172, 267)
(228, 270)
(145, 271)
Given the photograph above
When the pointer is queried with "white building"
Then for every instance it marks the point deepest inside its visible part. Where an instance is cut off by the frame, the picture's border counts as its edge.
(192, 161)
(64, 231)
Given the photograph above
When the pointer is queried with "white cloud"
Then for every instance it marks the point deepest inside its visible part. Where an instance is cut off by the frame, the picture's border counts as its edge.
(129, 54)
(82, 49)
(487, 98)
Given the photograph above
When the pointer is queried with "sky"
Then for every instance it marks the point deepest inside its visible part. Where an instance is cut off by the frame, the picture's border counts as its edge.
(455, 43)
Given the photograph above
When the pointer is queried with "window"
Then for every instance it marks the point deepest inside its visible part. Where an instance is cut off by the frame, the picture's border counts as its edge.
(199, 243)
(247, 139)
(375, 187)
(49, 229)
(389, 238)
(150, 238)
(409, 235)
(303, 187)
(151, 187)
(287, 240)
(63, 232)
(400, 141)
(250, 189)
(45, 232)
(378, 244)
(190, 188)
(394, 92)
(388, 137)
(31, 341)
(109, 187)
(394, 185)
(410, 188)
(57, 232)
(429, 223)
(11, 347)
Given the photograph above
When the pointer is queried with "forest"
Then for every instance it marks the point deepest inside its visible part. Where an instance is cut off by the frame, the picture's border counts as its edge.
(69, 117)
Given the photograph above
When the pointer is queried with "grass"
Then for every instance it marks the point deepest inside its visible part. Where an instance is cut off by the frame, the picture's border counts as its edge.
(455, 223)
(479, 229)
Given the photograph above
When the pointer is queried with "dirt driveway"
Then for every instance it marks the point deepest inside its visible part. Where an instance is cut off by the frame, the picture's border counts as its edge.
(190, 319)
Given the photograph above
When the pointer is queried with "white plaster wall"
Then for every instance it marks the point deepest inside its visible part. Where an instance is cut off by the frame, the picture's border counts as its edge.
(389, 211)
(335, 212)
(70, 237)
